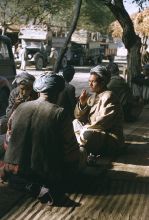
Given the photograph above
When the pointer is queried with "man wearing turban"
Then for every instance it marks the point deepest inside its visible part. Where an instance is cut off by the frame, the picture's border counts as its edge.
(40, 147)
(98, 124)
(22, 93)
(67, 98)
(132, 106)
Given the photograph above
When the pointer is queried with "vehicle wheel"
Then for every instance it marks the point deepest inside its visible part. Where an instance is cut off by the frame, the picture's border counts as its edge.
(64, 62)
(39, 63)
(81, 62)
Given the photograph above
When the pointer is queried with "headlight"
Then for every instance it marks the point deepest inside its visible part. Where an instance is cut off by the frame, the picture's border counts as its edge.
(29, 56)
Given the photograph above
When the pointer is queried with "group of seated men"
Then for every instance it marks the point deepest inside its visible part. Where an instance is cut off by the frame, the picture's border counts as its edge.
(51, 133)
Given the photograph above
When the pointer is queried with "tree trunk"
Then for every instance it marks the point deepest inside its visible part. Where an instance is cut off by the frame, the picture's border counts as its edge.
(68, 38)
(131, 41)
(134, 60)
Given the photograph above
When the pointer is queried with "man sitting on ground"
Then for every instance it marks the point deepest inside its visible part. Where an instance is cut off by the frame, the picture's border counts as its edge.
(99, 120)
(22, 93)
(140, 84)
(42, 144)
(132, 106)
(67, 98)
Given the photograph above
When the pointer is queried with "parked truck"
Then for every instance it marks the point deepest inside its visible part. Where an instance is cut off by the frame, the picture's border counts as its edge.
(92, 52)
(74, 52)
(82, 49)
(37, 40)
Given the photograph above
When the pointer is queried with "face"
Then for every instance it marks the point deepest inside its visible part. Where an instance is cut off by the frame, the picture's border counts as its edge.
(25, 91)
(95, 84)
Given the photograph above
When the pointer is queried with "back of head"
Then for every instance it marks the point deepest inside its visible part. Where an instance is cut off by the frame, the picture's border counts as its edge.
(102, 72)
(49, 83)
(113, 69)
(68, 73)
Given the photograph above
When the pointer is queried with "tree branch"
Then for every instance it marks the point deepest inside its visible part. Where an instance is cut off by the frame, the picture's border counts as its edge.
(120, 13)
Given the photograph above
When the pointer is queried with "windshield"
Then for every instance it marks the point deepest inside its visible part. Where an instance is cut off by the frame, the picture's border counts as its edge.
(31, 44)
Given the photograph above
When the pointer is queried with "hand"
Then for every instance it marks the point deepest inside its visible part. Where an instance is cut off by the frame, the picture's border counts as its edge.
(83, 97)
(18, 101)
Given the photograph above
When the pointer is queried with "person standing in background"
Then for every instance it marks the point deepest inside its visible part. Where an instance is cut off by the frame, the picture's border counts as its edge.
(53, 57)
(23, 57)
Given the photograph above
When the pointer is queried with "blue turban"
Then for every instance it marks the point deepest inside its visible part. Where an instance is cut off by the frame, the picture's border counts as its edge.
(49, 82)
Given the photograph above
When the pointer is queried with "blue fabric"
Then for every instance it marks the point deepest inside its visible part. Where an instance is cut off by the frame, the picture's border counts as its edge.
(52, 82)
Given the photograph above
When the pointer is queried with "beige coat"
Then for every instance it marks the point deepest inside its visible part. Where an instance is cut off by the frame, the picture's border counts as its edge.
(102, 120)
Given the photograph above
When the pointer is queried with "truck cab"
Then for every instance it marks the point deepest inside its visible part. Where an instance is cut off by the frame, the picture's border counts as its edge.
(7, 64)
(37, 40)
(91, 53)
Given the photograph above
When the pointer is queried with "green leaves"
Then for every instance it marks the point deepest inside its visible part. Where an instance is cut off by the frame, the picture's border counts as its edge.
(95, 16)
